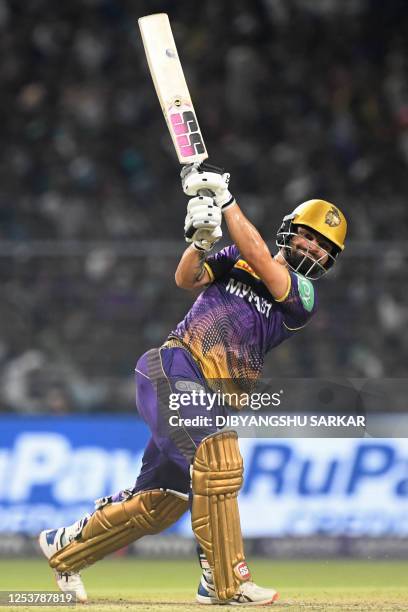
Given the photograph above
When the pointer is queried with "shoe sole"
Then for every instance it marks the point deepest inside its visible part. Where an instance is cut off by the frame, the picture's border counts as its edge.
(211, 601)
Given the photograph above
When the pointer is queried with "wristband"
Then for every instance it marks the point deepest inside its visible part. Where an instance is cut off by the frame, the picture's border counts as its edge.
(229, 203)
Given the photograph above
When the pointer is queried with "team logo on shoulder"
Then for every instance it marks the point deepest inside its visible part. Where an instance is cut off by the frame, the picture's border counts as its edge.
(306, 293)
(333, 217)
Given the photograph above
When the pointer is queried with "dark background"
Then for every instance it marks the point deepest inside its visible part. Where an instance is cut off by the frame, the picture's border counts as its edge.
(296, 98)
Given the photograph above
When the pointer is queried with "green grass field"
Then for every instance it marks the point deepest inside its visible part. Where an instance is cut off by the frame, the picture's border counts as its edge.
(119, 585)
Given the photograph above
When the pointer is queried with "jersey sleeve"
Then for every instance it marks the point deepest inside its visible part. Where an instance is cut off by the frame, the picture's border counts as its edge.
(222, 262)
(300, 302)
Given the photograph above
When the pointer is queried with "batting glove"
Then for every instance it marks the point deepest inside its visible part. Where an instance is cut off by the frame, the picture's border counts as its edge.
(202, 225)
(205, 239)
(197, 178)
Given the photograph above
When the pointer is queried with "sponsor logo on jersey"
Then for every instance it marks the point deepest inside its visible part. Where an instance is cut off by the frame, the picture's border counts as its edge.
(186, 386)
(244, 291)
(242, 265)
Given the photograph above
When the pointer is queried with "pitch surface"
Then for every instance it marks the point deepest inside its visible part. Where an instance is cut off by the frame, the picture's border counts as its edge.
(118, 585)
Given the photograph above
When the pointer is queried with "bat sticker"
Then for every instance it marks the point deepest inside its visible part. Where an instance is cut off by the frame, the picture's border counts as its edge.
(188, 137)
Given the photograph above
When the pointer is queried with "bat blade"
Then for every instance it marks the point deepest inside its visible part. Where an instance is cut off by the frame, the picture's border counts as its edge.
(171, 88)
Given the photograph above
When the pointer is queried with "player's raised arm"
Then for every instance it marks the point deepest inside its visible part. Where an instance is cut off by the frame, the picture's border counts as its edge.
(202, 228)
(255, 251)
(244, 234)
(191, 272)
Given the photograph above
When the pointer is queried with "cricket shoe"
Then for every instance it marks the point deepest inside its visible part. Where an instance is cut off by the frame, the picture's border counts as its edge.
(50, 542)
(248, 594)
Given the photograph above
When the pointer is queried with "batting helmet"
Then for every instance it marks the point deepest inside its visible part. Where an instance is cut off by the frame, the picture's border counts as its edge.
(325, 219)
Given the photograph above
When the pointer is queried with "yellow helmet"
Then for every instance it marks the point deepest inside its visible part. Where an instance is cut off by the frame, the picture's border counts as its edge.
(322, 217)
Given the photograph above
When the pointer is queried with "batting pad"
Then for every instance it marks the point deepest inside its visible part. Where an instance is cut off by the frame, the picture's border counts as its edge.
(216, 480)
(119, 524)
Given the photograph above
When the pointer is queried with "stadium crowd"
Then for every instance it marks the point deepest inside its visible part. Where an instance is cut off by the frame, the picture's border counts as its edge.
(296, 98)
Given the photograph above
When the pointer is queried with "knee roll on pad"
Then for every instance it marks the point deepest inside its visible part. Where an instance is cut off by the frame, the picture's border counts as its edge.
(118, 524)
(217, 477)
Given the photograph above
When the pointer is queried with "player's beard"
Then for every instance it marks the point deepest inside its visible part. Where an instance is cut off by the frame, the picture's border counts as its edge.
(302, 262)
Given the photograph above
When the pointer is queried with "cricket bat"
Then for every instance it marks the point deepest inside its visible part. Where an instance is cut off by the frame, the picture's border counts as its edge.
(171, 88)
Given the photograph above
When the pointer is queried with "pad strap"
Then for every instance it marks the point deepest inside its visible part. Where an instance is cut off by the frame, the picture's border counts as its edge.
(118, 524)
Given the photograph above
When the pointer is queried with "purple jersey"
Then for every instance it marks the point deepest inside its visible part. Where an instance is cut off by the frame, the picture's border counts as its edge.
(235, 321)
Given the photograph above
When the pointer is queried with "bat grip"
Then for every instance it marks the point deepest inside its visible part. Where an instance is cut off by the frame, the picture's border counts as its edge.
(201, 192)
(206, 192)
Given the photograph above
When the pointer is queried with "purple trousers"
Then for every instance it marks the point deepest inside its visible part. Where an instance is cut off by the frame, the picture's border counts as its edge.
(161, 374)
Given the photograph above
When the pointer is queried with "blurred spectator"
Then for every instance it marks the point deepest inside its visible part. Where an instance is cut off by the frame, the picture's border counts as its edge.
(296, 99)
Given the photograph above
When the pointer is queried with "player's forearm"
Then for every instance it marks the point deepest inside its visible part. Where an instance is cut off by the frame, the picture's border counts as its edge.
(190, 270)
(255, 251)
(249, 241)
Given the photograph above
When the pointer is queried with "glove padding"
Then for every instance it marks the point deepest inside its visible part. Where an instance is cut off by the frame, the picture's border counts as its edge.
(202, 225)
(205, 239)
(202, 214)
(195, 178)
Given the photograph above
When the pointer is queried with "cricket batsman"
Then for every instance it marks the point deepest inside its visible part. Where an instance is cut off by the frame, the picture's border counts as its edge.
(249, 303)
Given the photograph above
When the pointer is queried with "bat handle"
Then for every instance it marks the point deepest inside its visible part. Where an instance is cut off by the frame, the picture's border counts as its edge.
(206, 192)
(201, 192)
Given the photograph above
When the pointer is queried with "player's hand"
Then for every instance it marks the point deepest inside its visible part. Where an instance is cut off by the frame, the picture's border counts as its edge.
(202, 213)
(203, 222)
(205, 239)
(197, 177)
